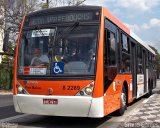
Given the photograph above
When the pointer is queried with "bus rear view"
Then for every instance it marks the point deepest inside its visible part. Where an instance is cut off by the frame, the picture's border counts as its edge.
(56, 61)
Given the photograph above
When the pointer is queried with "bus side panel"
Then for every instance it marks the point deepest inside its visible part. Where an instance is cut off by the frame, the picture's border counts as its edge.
(140, 85)
(113, 93)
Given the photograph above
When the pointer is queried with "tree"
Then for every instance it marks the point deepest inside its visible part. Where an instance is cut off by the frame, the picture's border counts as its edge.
(10, 20)
(157, 65)
(12, 14)
(58, 3)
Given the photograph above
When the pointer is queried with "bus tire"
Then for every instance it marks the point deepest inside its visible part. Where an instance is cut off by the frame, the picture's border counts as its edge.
(123, 102)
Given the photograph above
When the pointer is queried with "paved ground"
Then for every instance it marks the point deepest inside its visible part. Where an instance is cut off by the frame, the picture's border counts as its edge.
(6, 106)
(6, 100)
(143, 113)
(10, 119)
(148, 116)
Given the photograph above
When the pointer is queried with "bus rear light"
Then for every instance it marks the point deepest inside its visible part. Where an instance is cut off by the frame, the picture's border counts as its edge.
(21, 90)
(86, 91)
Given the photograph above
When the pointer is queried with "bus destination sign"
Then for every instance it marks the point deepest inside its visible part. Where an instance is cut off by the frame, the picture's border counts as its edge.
(61, 18)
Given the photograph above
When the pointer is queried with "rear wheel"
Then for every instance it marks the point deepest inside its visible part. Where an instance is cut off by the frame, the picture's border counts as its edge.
(123, 101)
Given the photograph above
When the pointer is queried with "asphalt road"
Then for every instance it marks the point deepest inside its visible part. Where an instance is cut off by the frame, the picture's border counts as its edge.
(6, 100)
(6, 107)
(7, 114)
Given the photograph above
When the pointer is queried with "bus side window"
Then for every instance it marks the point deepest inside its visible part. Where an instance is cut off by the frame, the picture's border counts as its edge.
(125, 63)
(111, 49)
(109, 59)
(139, 60)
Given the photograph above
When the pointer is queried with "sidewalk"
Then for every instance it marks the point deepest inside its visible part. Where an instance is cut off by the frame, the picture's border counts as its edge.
(6, 92)
(148, 116)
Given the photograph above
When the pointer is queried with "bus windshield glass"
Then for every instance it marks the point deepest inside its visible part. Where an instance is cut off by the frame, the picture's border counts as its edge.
(58, 51)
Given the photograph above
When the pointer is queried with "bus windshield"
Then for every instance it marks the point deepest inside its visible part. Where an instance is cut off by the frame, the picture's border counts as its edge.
(58, 51)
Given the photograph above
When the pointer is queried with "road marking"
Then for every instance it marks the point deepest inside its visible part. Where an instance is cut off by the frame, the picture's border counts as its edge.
(13, 118)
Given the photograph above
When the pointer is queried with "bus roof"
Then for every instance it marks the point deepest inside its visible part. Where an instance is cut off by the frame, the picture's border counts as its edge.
(65, 8)
(134, 36)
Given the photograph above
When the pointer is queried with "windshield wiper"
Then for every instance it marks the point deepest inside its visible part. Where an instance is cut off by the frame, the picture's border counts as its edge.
(67, 31)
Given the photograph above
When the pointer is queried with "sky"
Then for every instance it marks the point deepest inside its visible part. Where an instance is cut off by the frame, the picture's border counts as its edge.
(141, 16)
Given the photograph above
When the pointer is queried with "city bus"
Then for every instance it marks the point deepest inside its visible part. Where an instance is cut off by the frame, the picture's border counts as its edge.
(79, 61)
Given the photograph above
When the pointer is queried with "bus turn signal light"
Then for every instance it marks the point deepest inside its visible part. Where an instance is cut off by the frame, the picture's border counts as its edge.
(88, 90)
(21, 90)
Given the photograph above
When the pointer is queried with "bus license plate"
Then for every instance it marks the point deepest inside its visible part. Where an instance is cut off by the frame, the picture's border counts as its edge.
(50, 101)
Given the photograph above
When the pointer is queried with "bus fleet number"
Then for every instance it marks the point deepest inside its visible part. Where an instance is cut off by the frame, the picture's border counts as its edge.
(71, 87)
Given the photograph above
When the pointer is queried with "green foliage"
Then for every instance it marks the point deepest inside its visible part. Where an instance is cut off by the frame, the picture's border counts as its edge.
(6, 71)
(44, 6)
(6, 74)
(157, 61)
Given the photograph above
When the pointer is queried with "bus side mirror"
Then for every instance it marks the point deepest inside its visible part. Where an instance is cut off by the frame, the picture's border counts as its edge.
(6, 42)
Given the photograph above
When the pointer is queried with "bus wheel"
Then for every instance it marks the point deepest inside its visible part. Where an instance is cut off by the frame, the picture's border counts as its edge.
(123, 103)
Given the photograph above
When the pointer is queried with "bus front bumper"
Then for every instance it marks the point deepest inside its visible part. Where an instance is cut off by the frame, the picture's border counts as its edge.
(74, 106)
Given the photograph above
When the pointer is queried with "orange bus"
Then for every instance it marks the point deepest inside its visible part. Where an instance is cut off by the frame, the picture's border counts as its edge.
(79, 61)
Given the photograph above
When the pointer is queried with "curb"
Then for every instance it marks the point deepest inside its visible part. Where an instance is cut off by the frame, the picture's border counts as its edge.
(6, 94)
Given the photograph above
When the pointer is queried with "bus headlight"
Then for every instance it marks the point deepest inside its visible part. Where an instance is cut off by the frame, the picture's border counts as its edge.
(21, 90)
(88, 90)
